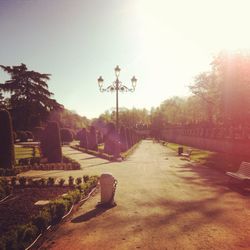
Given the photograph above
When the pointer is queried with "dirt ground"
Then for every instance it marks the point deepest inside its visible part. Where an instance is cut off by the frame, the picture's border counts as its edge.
(163, 202)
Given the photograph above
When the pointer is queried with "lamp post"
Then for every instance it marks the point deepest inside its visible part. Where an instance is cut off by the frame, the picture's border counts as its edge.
(117, 86)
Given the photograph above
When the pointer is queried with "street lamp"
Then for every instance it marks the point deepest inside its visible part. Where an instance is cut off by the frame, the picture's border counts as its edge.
(117, 86)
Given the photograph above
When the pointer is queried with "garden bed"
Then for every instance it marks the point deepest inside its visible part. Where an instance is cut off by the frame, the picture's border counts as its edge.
(22, 221)
(19, 208)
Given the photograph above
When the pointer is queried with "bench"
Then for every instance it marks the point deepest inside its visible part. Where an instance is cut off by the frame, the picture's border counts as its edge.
(243, 173)
(187, 153)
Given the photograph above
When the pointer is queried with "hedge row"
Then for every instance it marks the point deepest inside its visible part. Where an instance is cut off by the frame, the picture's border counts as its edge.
(23, 181)
(21, 236)
(27, 164)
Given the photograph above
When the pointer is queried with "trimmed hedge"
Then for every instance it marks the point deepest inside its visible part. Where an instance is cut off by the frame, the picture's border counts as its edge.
(92, 139)
(83, 138)
(7, 154)
(51, 143)
(112, 145)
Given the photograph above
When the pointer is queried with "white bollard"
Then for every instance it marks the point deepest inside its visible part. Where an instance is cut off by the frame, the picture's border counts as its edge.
(108, 185)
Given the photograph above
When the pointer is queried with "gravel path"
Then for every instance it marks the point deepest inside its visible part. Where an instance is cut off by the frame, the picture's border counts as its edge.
(163, 202)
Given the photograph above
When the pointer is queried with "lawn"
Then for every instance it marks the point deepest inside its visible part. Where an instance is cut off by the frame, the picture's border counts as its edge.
(26, 152)
(221, 161)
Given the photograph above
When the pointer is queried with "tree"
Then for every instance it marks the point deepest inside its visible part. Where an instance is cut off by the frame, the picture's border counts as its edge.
(225, 89)
(30, 101)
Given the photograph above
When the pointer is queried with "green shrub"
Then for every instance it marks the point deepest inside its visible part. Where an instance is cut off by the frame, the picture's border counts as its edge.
(83, 138)
(51, 143)
(66, 135)
(22, 181)
(58, 209)
(76, 195)
(26, 234)
(24, 161)
(123, 139)
(71, 181)
(13, 181)
(78, 180)
(10, 240)
(99, 137)
(129, 137)
(42, 182)
(35, 160)
(7, 155)
(61, 182)
(111, 142)
(35, 183)
(51, 181)
(42, 220)
(85, 178)
(92, 139)
(69, 198)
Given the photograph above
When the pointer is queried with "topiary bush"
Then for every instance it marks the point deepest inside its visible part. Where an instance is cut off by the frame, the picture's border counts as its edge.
(92, 139)
(51, 143)
(61, 182)
(99, 137)
(123, 139)
(71, 181)
(78, 180)
(51, 181)
(129, 137)
(83, 138)
(85, 178)
(66, 135)
(22, 181)
(112, 145)
(7, 154)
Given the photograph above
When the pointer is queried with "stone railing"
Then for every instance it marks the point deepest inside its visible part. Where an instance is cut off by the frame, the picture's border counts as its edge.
(227, 140)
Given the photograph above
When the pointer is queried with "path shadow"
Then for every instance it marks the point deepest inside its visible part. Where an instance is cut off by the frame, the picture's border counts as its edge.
(91, 214)
(239, 188)
(210, 177)
(95, 165)
(88, 158)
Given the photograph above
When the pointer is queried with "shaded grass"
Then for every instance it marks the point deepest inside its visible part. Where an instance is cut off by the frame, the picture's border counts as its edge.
(221, 161)
(26, 152)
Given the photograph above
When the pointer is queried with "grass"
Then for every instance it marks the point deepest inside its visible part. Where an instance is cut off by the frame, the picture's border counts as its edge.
(221, 161)
(26, 152)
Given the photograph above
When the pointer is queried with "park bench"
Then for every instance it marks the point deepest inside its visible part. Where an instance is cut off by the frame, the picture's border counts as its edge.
(243, 173)
(187, 153)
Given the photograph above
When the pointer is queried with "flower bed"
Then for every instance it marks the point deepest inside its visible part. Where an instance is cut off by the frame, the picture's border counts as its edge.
(21, 221)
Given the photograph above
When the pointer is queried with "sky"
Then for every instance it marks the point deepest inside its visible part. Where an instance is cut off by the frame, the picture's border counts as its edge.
(164, 43)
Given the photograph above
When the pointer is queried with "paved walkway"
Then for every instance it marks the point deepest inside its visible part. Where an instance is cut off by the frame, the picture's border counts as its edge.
(162, 203)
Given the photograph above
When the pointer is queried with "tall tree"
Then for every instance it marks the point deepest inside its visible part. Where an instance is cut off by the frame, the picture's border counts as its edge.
(30, 100)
